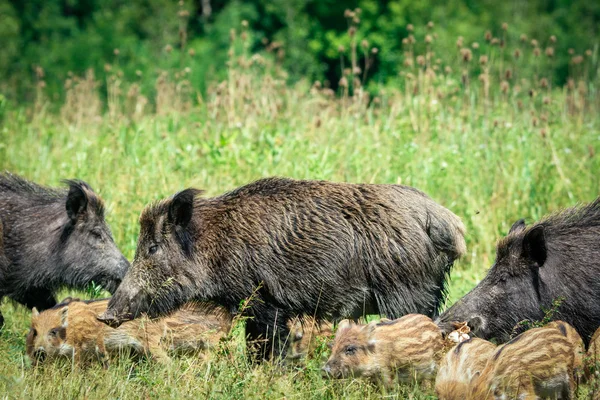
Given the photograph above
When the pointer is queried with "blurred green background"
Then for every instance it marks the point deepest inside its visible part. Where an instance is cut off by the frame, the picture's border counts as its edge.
(144, 37)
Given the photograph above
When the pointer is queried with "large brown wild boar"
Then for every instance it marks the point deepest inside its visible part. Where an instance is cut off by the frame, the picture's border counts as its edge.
(407, 348)
(558, 257)
(459, 366)
(54, 238)
(319, 248)
(72, 329)
(536, 364)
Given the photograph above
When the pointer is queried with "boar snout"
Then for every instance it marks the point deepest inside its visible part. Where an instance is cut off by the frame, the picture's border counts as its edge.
(111, 319)
(326, 371)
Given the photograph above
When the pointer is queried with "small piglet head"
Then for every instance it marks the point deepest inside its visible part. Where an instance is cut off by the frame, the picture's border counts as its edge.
(87, 250)
(48, 334)
(352, 351)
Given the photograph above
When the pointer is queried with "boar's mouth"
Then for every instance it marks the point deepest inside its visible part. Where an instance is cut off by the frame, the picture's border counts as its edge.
(113, 320)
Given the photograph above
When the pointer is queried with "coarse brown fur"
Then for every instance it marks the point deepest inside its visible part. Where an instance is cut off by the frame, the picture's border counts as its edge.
(331, 250)
(460, 365)
(305, 335)
(54, 238)
(576, 341)
(408, 348)
(72, 329)
(536, 364)
(554, 260)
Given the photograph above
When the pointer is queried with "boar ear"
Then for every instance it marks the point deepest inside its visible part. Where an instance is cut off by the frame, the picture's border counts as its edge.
(77, 200)
(64, 313)
(181, 208)
(517, 226)
(35, 313)
(343, 325)
(534, 245)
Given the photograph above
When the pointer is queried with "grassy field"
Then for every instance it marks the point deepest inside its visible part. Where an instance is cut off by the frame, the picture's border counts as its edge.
(490, 153)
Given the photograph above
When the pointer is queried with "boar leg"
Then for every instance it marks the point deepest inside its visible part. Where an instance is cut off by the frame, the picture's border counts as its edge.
(42, 299)
(101, 351)
(269, 332)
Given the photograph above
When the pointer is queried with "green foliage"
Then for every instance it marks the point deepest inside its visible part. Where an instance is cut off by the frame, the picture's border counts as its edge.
(73, 36)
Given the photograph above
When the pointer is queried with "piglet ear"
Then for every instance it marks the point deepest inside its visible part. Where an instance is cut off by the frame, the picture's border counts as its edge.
(534, 245)
(77, 200)
(35, 313)
(64, 314)
(517, 226)
(343, 325)
(181, 208)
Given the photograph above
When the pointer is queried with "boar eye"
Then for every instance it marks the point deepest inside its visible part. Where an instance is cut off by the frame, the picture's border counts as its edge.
(96, 234)
(33, 332)
(350, 350)
(153, 249)
(53, 332)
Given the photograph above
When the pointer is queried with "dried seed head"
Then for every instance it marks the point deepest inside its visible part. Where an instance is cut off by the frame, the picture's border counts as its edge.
(39, 72)
(570, 84)
(483, 60)
(138, 73)
(577, 60)
(536, 52)
(552, 39)
(546, 100)
(244, 23)
(523, 37)
(550, 52)
(534, 43)
(358, 10)
(232, 35)
(543, 133)
(348, 13)
(183, 13)
(488, 36)
(428, 39)
(347, 71)
(374, 50)
(517, 54)
(430, 25)
(410, 27)
(508, 74)
(244, 36)
(356, 20)
(317, 85)
(466, 55)
(544, 83)
(448, 70)
(405, 41)
(475, 45)
(571, 51)
(588, 52)
(344, 82)
(535, 121)
(421, 60)
(116, 52)
(504, 26)
(107, 67)
(459, 42)
(408, 62)
(364, 44)
(412, 39)
(495, 41)
(352, 31)
(357, 70)
(504, 86)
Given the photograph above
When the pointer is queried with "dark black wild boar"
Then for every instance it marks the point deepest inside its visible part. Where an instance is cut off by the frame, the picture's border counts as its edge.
(54, 238)
(556, 257)
(325, 249)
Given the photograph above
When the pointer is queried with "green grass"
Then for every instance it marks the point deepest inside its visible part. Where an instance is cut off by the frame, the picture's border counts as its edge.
(489, 161)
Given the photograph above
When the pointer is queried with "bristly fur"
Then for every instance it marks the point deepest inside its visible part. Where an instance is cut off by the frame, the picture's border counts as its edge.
(296, 247)
(554, 263)
(54, 238)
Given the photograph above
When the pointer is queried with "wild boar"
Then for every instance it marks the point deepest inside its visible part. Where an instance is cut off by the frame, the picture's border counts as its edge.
(407, 348)
(72, 329)
(576, 341)
(592, 357)
(459, 366)
(556, 258)
(294, 247)
(305, 334)
(54, 238)
(536, 364)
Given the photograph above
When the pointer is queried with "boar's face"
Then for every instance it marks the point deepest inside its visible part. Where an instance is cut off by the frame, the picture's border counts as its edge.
(352, 351)
(87, 250)
(48, 334)
(162, 276)
(510, 292)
